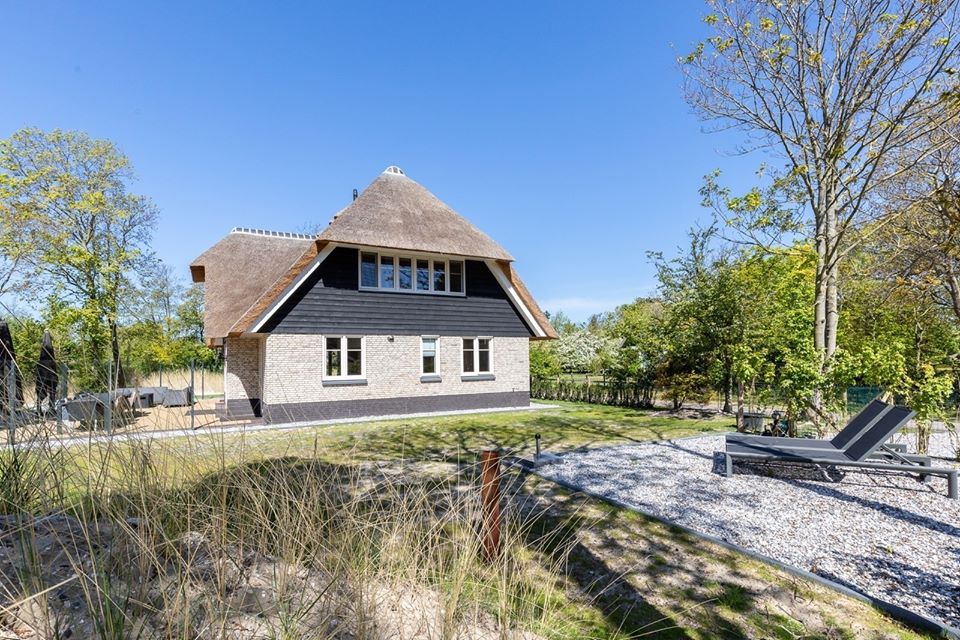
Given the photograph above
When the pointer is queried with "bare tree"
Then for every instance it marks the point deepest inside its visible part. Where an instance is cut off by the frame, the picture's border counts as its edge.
(921, 245)
(834, 88)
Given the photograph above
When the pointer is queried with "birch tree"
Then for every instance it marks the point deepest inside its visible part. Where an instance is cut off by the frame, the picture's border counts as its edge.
(835, 89)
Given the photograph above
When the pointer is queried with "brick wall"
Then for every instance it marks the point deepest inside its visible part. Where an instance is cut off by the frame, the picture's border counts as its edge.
(242, 366)
(294, 367)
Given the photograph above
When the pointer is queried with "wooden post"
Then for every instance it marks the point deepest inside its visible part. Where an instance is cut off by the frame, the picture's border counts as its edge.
(11, 383)
(490, 497)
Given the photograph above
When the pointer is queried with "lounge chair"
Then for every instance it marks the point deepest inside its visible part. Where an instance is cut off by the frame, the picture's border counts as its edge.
(858, 425)
(863, 453)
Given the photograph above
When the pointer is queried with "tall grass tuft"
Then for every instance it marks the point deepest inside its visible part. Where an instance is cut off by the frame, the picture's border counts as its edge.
(203, 538)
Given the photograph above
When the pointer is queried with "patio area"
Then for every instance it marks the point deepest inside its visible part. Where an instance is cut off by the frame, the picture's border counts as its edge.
(884, 534)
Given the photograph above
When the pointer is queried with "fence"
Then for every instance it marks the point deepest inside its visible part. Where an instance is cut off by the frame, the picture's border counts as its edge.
(635, 394)
(617, 394)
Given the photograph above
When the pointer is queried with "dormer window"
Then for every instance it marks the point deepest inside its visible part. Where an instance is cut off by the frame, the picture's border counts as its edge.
(411, 274)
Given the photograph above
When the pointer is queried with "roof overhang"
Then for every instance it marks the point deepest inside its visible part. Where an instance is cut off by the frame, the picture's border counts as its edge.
(267, 306)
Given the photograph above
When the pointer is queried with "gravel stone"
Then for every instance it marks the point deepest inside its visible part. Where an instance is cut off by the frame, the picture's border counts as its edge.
(884, 534)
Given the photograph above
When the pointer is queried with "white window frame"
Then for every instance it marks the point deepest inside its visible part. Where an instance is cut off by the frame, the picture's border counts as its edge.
(436, 355)
(431, 259)
(343, 358)
(476, 356)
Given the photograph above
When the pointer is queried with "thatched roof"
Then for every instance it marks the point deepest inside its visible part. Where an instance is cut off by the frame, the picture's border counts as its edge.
(248, 272)
(395, 212)
(239, 269)
(529, 302)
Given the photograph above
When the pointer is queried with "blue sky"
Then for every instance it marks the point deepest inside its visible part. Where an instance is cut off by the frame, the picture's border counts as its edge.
(558, 128)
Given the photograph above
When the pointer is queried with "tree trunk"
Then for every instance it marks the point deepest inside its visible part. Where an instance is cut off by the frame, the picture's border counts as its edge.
(741, 390)
(826, 303)
(727, 388)
(953, 288)
(119, 376)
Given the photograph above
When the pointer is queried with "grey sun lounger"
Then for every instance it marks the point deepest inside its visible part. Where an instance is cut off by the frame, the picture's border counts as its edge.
(857, 426)
(864, 453)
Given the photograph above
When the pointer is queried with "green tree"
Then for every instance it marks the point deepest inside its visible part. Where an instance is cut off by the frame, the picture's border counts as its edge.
(702, 326)
(562, 322)
(188, 323)
(90, 236)
(899, 337)
(841, 91)
(634, 329)
(544, 363)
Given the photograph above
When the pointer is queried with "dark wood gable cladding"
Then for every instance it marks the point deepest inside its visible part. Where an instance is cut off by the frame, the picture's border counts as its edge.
(330, 301)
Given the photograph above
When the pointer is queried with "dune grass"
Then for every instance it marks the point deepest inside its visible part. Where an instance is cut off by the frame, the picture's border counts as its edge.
(372, 530)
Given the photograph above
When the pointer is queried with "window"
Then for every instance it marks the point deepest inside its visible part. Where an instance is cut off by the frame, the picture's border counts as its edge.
(368, 269)
(439, 275)
(343, 357)
(428, 355)
(423, 275)
(386, 272)
(412, 274)
(405, 273)
(483, 355)
(456, 276)
(476, 355)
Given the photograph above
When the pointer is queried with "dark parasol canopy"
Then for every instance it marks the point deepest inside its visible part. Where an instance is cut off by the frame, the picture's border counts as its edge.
(8, 363)
(47, 376)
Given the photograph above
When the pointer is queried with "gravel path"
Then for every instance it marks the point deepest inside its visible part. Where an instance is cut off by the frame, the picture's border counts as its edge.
(884, 534)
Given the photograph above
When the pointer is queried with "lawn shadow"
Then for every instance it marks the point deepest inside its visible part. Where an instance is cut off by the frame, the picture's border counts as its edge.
(620, 574)
(455, 438)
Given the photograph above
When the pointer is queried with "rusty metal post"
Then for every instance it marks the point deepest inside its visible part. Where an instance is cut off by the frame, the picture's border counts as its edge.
(490, 497)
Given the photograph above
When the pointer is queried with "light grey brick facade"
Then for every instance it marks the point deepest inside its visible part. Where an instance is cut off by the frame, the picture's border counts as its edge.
(242, 366)
(294, 369)
(293, 385)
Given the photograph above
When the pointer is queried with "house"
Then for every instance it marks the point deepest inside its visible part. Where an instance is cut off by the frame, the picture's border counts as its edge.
(400, 305)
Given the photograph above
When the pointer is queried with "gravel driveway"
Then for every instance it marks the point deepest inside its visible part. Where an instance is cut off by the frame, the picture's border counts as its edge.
(884, 534)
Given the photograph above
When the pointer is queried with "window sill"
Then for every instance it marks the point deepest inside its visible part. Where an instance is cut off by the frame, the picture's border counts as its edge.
(430, 377)
(418, 292)
(472, 377)
(344, 382)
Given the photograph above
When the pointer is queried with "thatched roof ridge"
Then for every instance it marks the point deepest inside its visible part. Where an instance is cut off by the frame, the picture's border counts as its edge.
(239, 269)
(395, 212)
(247, 273)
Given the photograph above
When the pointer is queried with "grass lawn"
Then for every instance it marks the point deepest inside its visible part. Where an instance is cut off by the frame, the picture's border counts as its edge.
(621, 575)
(461, 437)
